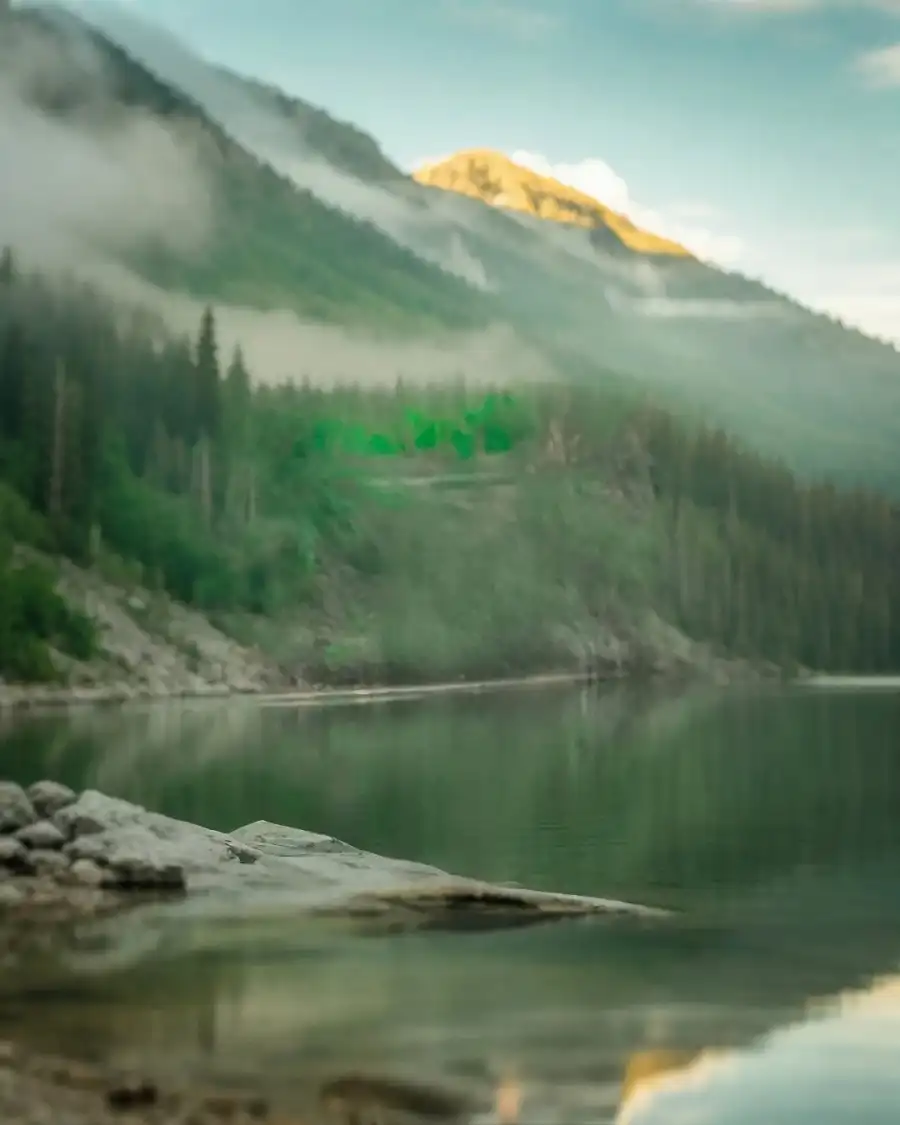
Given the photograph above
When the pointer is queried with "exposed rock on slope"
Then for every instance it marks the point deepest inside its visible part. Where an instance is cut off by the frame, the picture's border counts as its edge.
(152, 647)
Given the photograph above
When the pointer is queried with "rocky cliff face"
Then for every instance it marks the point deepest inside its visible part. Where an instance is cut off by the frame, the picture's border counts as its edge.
(493, 178)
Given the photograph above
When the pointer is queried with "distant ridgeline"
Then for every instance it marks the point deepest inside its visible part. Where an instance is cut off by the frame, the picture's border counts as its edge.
(482, 430)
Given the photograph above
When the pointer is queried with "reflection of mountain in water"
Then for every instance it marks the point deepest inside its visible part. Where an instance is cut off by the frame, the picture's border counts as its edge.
(771, 819)
(836, 1067)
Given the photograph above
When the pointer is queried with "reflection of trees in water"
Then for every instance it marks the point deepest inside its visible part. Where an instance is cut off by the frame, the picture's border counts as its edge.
(161, 1012)
(603, 792)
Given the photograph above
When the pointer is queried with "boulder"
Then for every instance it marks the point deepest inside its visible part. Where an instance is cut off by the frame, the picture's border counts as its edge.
(48, 797)
(42, 834)
(76, 820)
(44, 861)
(10, 895)
(13, 852)
(86, 873)
(87, 847)
(16, 811)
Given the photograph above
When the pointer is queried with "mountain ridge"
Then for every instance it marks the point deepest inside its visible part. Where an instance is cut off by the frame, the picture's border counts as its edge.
(496, 179)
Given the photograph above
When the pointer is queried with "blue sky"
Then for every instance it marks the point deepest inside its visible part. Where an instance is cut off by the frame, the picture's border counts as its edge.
(766, 133)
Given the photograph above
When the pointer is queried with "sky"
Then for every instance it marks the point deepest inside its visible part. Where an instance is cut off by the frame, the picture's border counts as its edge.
(764, 134)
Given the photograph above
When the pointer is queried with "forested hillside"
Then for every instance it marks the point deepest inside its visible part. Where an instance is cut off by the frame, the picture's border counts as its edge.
(587, 510)
(272, 246)
(340, 237)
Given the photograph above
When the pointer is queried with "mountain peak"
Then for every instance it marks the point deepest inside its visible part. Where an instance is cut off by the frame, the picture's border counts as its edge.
(495, 179)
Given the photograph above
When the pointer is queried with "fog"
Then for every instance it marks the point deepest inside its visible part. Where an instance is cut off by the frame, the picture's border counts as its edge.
(699, 308)
(77, 191)
(98, 179)
(252, 117)
(278, 346)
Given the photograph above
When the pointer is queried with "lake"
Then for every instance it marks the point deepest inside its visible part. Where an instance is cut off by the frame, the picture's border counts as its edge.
(769, 819)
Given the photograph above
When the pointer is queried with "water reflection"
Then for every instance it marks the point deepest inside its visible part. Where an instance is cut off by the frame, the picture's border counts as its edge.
(771, 820)
(839, 1065)
(599, 793)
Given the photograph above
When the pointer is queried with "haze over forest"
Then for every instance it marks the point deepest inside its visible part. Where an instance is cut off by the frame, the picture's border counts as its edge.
(258, 266)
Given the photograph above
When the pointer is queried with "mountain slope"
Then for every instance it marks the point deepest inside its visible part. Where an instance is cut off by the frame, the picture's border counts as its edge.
(269, 245)
(493, 178)
(312, 216)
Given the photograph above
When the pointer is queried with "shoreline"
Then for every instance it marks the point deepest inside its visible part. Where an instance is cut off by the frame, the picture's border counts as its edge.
(29, 698)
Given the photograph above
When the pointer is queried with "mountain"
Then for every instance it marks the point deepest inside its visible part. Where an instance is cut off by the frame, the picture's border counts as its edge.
(267, 244)
(493, 178)
(308, 214)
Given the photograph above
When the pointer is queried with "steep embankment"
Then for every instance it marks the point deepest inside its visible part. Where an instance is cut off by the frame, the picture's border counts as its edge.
(149, 646)
(152, 647)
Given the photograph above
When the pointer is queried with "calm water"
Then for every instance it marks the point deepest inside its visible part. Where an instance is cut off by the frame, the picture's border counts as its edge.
(772, 821)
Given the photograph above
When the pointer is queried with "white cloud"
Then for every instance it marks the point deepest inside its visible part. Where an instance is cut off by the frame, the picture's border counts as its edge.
(881, 67)
(686, 224)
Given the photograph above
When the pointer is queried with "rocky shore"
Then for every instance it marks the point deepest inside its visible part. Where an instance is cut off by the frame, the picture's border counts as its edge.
(55, 861)
(71, 856)
(82, 853)
(153, 648)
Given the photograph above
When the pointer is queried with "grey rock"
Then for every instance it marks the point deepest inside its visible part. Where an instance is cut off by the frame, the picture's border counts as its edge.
(77, 820)
(42, 834)
(294, 871)
(15, 809)
(10, 895)
(47, 862)
(88, 847)
(48, 797)
(13, 852)
(86, 873)
(146, 870)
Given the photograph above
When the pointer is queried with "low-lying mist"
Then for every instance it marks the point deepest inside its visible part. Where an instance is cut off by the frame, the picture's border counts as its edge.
(92, 175)
(262, 126)
(80, 186)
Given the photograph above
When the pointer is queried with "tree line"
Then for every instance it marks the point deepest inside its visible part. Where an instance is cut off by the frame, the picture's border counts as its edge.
(118, 439)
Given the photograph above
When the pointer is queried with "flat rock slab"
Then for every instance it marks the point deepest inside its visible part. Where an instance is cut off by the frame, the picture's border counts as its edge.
(271, 867)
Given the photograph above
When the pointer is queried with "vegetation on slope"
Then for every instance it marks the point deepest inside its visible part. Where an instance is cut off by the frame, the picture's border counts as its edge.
(598, 510)
(495, 179)
(273, 246)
